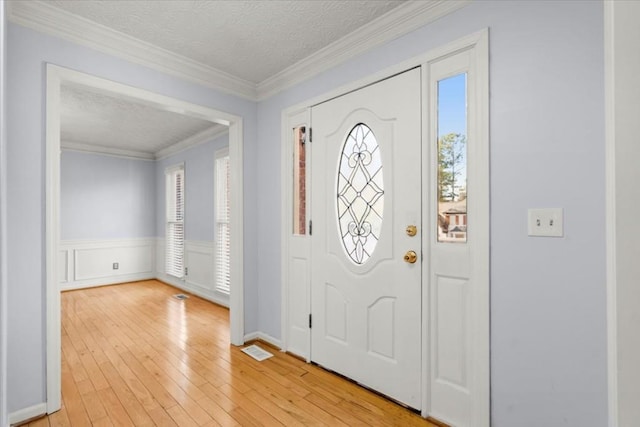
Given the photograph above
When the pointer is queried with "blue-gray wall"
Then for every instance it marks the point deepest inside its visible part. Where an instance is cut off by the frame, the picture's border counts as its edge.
(106, 197)
(28, 52)
(548, 330)
(199, 189)
(548, 301)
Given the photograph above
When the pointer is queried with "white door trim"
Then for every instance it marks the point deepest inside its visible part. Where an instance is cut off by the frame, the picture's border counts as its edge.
(56, 76)
(479, 43)
(610, 223)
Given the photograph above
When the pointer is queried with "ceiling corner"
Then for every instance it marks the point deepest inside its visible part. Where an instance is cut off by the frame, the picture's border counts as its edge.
(395, 23)
(40, 16)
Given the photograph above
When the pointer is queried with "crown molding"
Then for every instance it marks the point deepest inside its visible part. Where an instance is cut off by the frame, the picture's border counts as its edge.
(201, 137)
(109, 151)
(43, 17)
(397, 22)
(40, 16)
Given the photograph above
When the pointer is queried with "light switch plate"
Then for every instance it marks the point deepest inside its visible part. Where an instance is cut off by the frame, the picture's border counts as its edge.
(546, 222)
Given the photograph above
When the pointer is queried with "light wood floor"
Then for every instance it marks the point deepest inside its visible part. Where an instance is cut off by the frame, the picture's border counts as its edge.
(133, 355)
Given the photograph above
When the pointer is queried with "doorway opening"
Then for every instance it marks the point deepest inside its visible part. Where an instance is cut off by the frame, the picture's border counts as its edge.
(56, 78)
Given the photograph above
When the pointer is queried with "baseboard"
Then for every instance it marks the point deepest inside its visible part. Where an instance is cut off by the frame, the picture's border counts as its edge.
(263, 337)
(194, 289)
(113, 280)
(26, 414)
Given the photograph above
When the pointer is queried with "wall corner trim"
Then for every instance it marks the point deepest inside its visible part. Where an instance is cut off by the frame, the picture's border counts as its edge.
(25, 414)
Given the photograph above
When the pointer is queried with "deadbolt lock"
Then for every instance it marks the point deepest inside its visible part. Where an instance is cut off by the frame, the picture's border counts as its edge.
(412, 230)
(411, 257)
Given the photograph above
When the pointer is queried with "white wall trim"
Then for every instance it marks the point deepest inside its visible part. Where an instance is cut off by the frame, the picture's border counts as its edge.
(401, 20)
(397, 22)
(40, 16)
(25, 414)
(264, 337)
(134, 266)
(610, 223)
(105, 151)
(3, 219)
(56, 76)
(197, 139)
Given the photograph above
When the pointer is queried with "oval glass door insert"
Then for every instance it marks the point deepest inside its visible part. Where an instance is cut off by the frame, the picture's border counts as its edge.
(360, 194)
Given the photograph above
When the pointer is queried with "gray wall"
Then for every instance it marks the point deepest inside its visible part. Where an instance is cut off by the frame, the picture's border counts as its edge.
(199, 189)
(548, 323)
(28, 52)
(106, 197)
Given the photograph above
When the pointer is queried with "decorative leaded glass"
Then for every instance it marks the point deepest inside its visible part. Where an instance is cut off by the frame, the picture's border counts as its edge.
(360, 193)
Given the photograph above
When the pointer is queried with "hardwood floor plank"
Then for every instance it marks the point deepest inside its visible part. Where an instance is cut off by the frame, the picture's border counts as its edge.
(115, 410)
(127, 398)
(135, 356)
(93, 406)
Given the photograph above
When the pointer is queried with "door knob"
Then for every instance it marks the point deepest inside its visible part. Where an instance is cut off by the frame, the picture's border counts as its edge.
(410, 257)
(412, 230)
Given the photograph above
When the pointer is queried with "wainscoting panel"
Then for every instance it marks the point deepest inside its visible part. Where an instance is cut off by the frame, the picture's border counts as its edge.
(200, 277)
(91, 263)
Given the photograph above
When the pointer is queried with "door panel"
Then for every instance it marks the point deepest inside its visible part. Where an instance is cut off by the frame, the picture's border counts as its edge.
(366, 300)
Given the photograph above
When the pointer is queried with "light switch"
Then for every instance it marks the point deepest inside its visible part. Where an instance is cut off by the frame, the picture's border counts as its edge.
(546, 222)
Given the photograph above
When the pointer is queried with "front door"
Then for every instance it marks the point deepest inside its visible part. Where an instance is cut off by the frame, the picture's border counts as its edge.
(366, 237)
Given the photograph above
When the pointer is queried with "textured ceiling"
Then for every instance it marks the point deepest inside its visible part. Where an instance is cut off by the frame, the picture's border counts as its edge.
(252, 40)
(96, 119)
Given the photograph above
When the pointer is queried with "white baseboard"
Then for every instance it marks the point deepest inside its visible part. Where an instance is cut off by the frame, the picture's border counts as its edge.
(25, 414)
(194, 289)
(263, 337)
(113, 280)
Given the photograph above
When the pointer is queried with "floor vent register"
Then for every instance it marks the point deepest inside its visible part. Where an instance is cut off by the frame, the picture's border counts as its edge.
(257, 353)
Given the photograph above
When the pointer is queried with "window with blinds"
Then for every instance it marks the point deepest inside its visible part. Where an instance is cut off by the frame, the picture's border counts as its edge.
(174, 262)
(223, 232)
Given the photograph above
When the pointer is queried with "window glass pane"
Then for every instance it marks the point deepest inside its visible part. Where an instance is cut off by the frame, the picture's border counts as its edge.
(223, 216)
(360, 194)
(299, 180)
(174, 250)
(452, 159)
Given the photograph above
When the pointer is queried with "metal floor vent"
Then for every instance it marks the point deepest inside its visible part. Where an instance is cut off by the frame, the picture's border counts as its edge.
(180, 296)
(257, 353)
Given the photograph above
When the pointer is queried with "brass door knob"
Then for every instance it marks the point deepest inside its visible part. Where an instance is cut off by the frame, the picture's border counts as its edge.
(411, 257)
(412, 230)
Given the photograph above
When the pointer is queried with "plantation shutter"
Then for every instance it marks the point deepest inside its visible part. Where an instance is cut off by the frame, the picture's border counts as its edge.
(223, 232)
(175, 221)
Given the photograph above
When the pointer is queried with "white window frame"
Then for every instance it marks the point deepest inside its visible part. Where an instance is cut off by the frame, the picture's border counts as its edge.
(222, 222)
(174, 262)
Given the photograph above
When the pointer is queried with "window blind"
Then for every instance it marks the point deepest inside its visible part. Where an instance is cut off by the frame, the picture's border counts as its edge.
(223, 232)
(174, 261)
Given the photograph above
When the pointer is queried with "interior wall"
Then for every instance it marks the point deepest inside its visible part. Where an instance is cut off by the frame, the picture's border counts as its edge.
(548, 300)
(199, 189)
(106, 197)
(27, 55)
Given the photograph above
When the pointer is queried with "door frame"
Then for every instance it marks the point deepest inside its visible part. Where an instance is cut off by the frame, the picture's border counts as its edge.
(299, 114)
(55, 77)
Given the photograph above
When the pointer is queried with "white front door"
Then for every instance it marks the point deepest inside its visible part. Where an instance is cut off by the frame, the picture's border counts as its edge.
(366, 191)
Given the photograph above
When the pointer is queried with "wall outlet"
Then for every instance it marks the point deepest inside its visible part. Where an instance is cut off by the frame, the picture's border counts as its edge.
(546, 222)
(116, 265)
